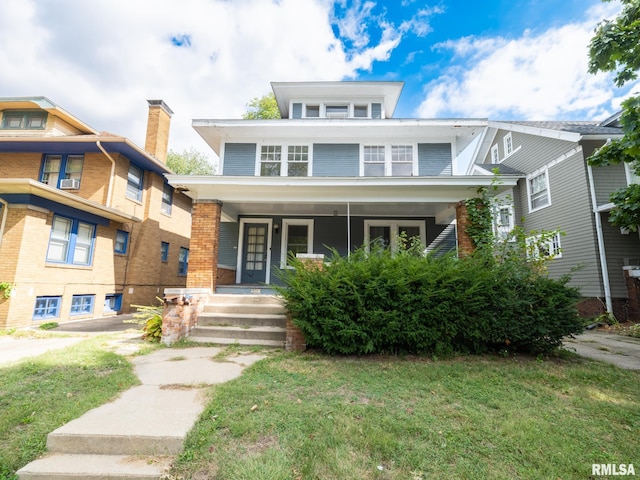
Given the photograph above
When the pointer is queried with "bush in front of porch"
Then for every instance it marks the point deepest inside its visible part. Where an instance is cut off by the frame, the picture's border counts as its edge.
(376, 301)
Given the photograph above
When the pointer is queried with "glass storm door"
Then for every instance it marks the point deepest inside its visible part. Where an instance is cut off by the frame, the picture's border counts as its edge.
(254, 254)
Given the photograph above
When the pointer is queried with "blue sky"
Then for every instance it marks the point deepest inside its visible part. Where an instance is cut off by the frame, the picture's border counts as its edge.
(101, 59)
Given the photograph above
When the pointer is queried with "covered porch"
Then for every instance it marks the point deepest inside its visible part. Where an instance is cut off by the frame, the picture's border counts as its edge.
(244, 226)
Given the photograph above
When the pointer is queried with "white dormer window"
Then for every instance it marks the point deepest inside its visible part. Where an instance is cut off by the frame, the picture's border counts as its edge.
(508, 144)
(312, 111)
(361, 111)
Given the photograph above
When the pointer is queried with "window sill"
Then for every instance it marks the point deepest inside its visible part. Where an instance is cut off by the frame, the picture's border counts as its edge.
(68, 266)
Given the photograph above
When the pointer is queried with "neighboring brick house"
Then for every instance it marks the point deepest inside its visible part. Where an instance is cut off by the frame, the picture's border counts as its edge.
(560, 192)
(88, 223)
(336, 171)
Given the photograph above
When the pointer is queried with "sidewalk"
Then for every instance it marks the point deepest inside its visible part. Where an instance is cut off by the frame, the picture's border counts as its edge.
(138, 434)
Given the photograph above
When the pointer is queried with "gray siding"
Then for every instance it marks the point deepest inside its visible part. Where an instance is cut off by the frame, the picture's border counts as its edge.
(434, 159)
(376, 110)
(535, 151)
(336, 160)
(228, 249)
(618, 247)
(607, 180)
(569, 212)
(297, 110)
(239, 159)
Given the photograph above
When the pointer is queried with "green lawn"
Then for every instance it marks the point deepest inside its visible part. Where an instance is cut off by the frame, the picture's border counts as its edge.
(315, 417)
(38, 395)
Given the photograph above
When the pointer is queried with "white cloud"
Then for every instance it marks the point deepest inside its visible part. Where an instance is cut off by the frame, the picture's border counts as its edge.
(536, 76)
(101, 59)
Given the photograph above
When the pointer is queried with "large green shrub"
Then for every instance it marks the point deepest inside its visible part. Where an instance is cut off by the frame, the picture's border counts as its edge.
(381, 302)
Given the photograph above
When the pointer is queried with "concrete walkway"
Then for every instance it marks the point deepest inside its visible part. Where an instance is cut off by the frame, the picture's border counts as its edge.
(603, 346)
(138, 434)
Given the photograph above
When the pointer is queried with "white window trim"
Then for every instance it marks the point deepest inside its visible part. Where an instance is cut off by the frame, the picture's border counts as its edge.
(285, 237)
(388, 165)
(393, 226)
(506, 141)
(503, 231)
(284, 152)
(495, 154)
(631, 177)
(529, 177)
(239, 263)
(536, 254)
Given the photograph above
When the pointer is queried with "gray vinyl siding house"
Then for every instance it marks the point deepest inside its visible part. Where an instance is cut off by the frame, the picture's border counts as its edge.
(560, 192)
(336, 171)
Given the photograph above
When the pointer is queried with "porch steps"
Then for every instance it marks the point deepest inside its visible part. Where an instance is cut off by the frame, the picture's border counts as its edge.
(245, 319)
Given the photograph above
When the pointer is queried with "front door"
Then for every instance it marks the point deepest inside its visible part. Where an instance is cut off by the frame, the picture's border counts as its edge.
(254, 253)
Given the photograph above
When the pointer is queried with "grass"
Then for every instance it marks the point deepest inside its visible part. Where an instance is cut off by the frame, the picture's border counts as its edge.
(315, 417)
(39, 394)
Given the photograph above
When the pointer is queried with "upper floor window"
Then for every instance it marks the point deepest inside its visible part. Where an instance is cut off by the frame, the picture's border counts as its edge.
(62, 171)
(71, 241)
(167, 199)
(24, 120)
(183, 261)
(337, 111)
(361, 111)
(538, 189)
(495, 155)
(122, 241)
(508, 144)
(134, 183)
(312, 111)
(296, 165)
(388, 160)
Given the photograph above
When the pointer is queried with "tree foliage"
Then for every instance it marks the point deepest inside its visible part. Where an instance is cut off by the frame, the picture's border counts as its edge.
(615, 47)
(264, 107)
(190, 162)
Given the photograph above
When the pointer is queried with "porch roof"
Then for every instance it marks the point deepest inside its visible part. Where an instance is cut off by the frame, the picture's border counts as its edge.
(369, 196)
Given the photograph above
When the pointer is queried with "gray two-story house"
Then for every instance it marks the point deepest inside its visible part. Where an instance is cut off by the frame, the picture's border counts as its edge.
(336, 171)
(561, 193)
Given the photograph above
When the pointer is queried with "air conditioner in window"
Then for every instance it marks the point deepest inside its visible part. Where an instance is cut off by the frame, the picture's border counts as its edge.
(69, 184)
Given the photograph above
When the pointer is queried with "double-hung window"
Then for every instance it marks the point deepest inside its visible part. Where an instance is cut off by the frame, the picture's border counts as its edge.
(71, 241)
(495, 155)
(62, 171)
(82, 304)
(122, 242)
(538, 247)
(134, 183)
(538, 187)
(167, 199)
(394, 234)
(388, 160)
(508, 144)
(183, 261)
(271, 162)
(24, 120)
(47, 307)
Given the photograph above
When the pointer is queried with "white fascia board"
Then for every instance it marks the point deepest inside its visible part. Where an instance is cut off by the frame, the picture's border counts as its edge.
(542, 132)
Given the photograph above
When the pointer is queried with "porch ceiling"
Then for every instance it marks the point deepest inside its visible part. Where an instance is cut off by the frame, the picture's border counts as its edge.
(367, 196)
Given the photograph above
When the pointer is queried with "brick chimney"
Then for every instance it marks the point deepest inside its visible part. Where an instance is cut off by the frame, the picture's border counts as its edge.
(157, 140)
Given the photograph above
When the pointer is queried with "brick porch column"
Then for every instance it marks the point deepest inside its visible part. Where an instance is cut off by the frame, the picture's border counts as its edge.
(204, 244)
(465, 243)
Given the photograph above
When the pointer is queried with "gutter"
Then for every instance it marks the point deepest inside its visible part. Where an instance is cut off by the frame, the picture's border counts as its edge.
(111, 175)
(603, 259)
(5, 211)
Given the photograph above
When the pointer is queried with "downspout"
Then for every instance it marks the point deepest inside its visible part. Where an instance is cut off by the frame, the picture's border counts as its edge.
(5, 211)
(113, 172)
(600, 237)
(348, 230)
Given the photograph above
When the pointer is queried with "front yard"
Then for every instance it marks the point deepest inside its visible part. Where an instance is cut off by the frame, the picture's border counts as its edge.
(311, 416)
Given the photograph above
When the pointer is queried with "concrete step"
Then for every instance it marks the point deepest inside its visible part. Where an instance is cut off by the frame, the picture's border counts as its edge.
(245, 299)
(238, 341)
(237, 333)
(90, 467)
(241, 320)
(145, 420)
(248, 308)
